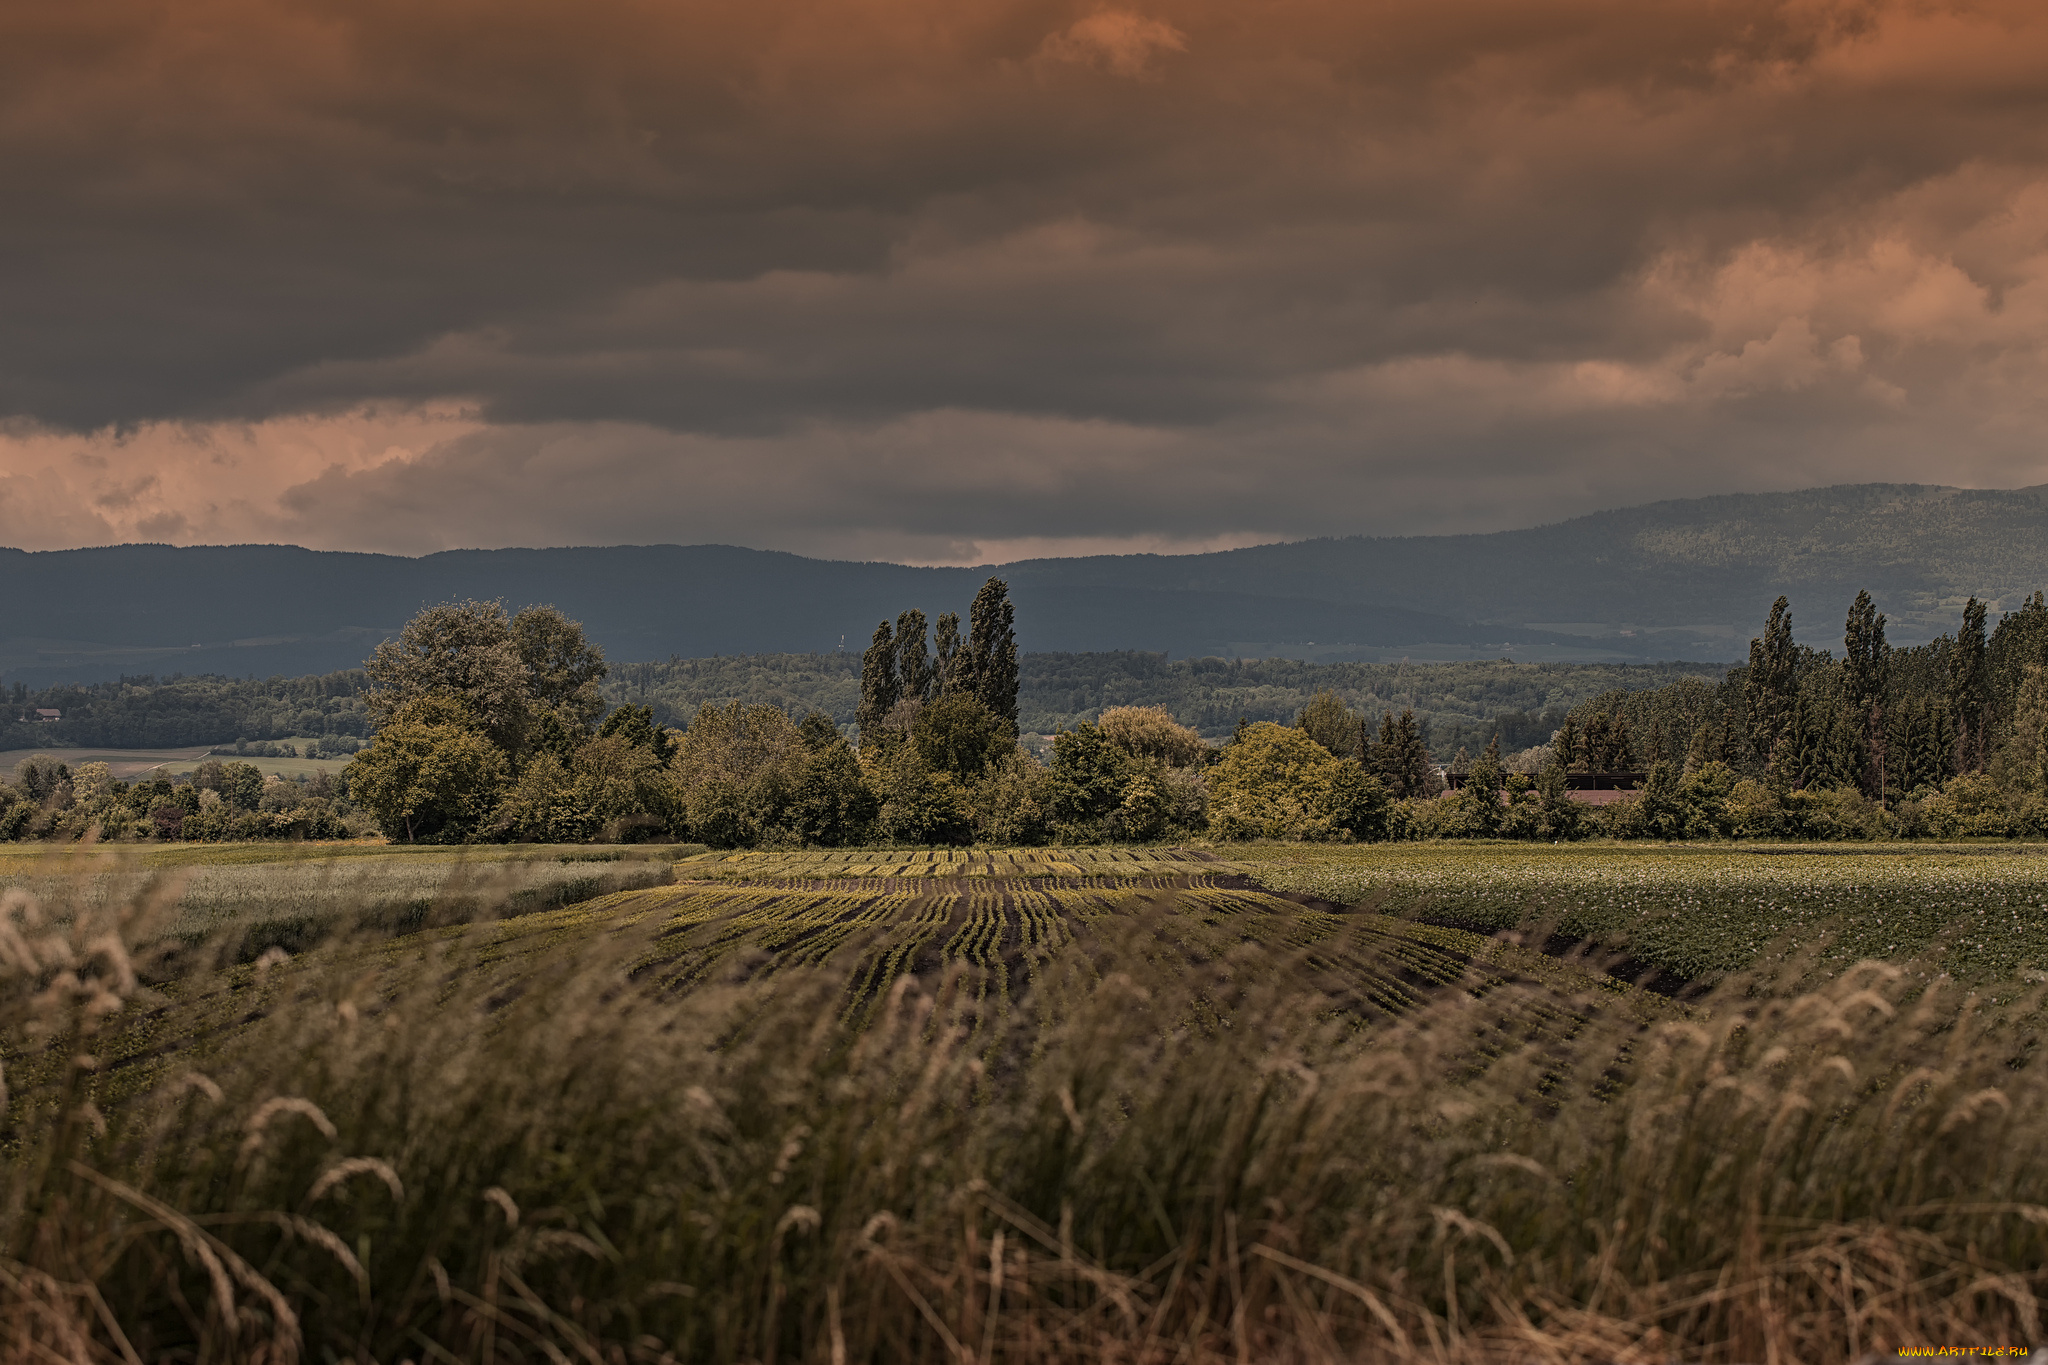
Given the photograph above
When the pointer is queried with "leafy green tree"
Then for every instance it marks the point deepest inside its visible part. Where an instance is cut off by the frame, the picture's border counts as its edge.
(833, 804)
(738, 770)
(1659, 808)
(42, 779)
(1482, 790)
(545, 805)
(1704, 795)
(431, 775)
(1149, 732)
(563, 669)
(879, 688)
(956, 734)
(1012, 804)
(552, 732)
(1920, 740)
(1558, 816)
(818, 733)
(627, 789)
(1143, 813)
(920, 806)
(1403, 756)
(2024, 761)
(240, 784)
(721, 813)
(1357, 804)
(1569, 746)
(946, 650)
(1089, 775)
(1771, 685)
(1275, 784)
(1607, 744)
(463, 650)
(635, 725)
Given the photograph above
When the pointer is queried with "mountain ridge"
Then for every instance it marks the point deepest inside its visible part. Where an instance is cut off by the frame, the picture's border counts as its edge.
(1676, 579)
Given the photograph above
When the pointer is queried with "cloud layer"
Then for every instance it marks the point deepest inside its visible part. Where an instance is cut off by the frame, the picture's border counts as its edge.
(912, 279)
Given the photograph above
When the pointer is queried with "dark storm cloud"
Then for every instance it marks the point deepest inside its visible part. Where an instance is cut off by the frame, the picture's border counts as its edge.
(934, 280)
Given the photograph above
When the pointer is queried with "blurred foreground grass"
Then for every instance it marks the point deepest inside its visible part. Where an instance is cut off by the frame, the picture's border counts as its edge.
(826, 1119)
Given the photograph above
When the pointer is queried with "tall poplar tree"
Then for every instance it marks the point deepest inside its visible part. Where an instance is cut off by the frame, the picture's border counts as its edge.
(878, 686)
(1968, 690)
(946, 651)
(991, 651)
(914, 672)
(1771, 686)
(1482, 789)
(1402, 758)
(1866, 671)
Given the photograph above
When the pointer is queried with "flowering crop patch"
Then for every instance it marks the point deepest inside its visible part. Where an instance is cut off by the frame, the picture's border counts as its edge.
(1977, 915)
(1124, 864)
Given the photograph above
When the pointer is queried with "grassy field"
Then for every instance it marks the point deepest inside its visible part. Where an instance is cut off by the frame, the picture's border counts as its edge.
(1012, 1105)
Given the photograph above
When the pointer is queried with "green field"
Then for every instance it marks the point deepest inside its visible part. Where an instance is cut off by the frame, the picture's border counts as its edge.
(1977, 913)
(1072, 1104)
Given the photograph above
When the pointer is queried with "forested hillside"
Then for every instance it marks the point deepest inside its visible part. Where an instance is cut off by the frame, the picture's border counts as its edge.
(143, 713)
(1459, 703)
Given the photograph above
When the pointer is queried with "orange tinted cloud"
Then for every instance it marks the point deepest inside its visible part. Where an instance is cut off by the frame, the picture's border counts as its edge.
(919, 278)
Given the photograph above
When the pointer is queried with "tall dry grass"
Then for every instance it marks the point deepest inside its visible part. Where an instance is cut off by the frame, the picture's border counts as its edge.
(453, 1153)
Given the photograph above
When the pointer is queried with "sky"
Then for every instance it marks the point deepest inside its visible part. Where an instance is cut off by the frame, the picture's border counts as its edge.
(966, 281)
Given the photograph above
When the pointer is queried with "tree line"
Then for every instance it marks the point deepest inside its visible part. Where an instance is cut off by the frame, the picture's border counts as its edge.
(491, 726)
(1944, 739)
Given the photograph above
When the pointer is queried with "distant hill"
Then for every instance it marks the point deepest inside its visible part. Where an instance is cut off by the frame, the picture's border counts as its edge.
(1674, 580)
(1695, 570)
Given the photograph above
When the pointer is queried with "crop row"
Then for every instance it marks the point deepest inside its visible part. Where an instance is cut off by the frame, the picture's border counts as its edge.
(678, 937)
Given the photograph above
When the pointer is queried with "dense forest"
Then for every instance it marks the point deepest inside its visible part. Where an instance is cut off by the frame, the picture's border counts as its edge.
(145, 713)
(1457, 704)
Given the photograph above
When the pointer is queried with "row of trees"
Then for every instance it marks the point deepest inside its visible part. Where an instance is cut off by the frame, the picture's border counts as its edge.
(1897, 727)
(903, 672)
(1454, 703)
(492, 726)
(48, 799)
(145, 712)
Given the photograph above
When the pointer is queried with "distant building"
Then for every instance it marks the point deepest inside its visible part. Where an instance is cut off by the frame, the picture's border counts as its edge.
(48, 715)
